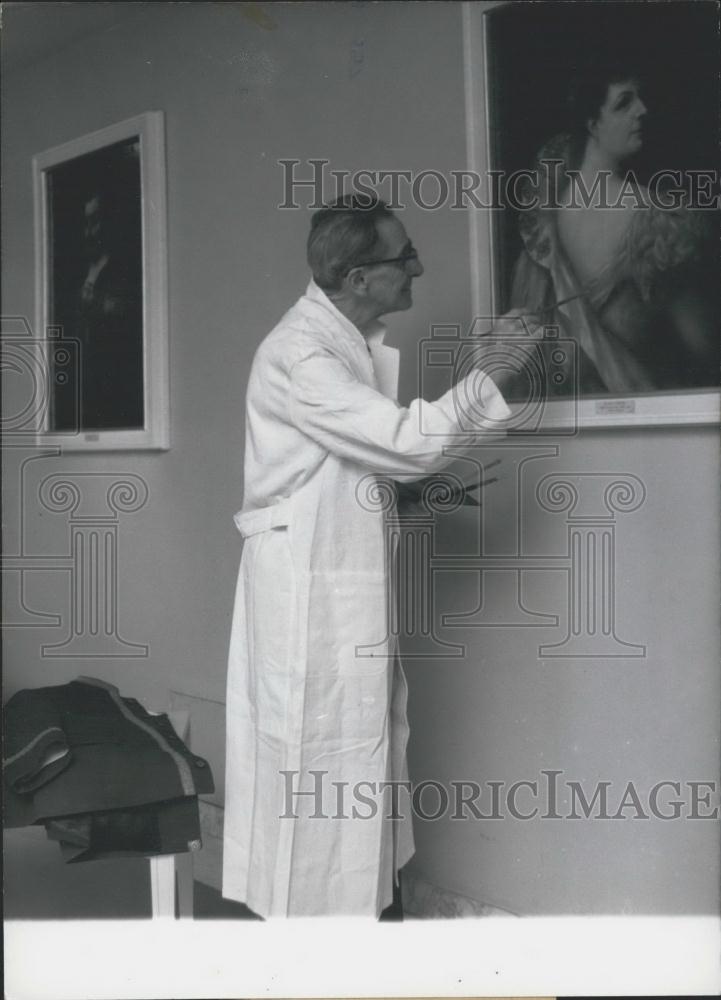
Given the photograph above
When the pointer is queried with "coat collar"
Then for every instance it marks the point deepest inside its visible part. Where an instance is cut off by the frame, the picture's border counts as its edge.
(317, 295)
(385, 359)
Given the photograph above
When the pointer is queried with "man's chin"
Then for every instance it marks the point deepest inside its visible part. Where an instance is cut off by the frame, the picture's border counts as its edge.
(402, 303)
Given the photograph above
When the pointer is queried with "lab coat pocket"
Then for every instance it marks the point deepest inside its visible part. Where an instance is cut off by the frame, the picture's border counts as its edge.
(348, 623)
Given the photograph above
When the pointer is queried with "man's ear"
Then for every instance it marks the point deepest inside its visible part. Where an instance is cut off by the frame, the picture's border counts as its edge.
(592, 127)
(356, 281)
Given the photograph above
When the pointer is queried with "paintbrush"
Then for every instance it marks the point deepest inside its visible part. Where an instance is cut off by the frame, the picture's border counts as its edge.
(554, 305)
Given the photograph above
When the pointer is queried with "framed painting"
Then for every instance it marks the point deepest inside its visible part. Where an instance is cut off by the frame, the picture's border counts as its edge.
(101, 279)
(594, 130)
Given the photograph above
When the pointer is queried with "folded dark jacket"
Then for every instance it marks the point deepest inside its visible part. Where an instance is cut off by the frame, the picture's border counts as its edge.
(36, 746)
(115, 754)
(160, 828)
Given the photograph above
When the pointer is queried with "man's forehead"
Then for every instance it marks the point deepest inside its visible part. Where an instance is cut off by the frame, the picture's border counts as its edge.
(393, 234)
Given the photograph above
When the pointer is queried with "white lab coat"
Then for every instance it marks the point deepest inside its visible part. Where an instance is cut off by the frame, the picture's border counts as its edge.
(314, 683)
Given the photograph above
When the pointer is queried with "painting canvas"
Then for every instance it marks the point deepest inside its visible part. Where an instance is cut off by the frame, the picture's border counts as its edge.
(603, 137)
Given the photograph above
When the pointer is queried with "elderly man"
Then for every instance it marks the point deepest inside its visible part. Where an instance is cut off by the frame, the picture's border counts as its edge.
(316, 698)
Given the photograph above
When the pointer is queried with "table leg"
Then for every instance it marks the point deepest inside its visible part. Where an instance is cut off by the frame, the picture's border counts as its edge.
(162, 885)
(184, 877)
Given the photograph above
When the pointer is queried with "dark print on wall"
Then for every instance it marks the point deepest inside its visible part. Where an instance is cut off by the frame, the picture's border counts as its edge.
(95, 288)
(101, 288)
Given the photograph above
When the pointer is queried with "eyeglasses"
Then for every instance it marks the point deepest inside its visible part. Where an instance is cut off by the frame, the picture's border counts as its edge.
(404, 258)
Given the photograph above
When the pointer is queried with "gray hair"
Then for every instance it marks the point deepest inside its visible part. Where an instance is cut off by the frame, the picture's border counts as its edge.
(342, 236)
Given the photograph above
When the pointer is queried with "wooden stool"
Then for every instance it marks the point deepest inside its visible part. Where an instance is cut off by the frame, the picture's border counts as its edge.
(171, 879)
(171, 875)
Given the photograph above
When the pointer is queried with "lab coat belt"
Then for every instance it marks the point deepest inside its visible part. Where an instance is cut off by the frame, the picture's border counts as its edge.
(252, 522)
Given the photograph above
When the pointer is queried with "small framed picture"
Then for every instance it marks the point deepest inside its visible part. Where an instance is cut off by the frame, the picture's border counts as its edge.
(101, 278)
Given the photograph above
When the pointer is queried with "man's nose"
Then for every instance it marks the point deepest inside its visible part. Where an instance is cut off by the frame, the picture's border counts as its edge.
(415, 267)
(641, 108)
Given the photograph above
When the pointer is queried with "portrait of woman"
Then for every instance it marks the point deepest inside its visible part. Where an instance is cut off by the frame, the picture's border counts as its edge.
(609, 245)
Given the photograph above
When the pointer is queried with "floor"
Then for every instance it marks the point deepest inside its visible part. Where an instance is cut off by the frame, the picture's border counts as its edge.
(209, 904)
(40, 886)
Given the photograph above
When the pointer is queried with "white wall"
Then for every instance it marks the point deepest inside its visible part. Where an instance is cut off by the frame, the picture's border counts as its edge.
(237, 97)
(505, 713)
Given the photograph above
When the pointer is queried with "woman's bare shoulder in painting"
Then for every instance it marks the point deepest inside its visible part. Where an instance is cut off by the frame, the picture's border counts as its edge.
(620, 275)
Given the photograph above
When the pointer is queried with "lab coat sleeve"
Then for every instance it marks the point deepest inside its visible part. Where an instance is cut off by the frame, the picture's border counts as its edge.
(352, 420)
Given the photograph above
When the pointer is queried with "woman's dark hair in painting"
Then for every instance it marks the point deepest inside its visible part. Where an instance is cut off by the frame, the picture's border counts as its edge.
(588, 89)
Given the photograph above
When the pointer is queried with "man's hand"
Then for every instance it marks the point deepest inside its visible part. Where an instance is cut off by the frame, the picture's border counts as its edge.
(505, 352)
(410, 501)
(444, 490)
